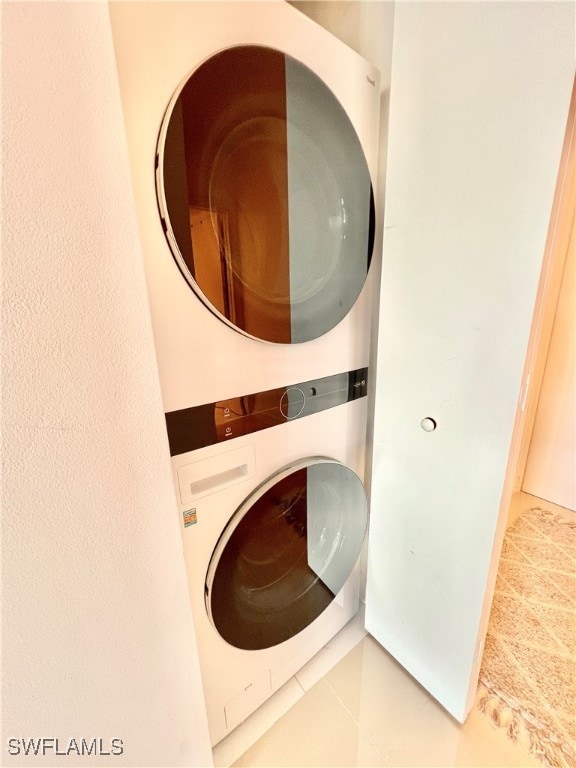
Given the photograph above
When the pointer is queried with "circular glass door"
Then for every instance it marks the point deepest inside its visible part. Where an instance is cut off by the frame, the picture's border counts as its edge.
(265, 195)
(286, 553)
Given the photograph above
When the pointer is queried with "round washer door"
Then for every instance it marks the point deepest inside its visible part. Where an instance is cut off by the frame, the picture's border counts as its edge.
(286, 553)
(265, 195)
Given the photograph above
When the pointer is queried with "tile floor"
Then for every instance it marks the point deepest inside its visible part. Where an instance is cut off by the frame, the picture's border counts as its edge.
(367, 711)
(364, 710)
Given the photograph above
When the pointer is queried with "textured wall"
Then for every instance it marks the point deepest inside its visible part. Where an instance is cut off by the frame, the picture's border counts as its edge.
(98, 640)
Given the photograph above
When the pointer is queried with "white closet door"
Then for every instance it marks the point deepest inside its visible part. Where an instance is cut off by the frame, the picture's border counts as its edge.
(480, 97)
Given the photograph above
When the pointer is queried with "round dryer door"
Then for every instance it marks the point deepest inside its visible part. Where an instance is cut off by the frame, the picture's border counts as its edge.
(265, 195)
(286, 553)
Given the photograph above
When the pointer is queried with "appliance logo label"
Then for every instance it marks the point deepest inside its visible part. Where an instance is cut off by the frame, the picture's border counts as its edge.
(190, 517)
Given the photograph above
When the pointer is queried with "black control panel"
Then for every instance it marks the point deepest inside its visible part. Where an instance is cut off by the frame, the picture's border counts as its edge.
(192, 428)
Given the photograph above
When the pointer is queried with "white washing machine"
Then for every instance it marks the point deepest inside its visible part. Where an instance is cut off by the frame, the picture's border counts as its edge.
(252, 136)
(274, 521)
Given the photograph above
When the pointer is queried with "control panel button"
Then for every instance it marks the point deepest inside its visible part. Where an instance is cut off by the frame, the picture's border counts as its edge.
(292, 403)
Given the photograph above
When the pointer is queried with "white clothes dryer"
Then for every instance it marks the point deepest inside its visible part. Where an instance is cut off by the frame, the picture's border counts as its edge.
(252, 136)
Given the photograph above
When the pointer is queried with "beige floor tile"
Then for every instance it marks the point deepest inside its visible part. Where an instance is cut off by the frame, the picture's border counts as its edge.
(432, 740)
(381, 696)
(255, 726)
(318, 731)
(408, 726)
(368, 711)
(333, 652)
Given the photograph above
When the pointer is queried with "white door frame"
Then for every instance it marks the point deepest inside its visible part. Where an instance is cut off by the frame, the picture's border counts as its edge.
(546, 300)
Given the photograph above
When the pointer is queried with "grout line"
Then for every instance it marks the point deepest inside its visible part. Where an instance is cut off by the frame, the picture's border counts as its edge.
(356, 722)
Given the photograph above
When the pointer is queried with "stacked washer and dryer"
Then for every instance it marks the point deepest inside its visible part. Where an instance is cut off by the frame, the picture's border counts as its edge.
(252, 136)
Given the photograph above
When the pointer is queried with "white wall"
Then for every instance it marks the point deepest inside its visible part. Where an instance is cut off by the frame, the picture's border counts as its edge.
(98, 640)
